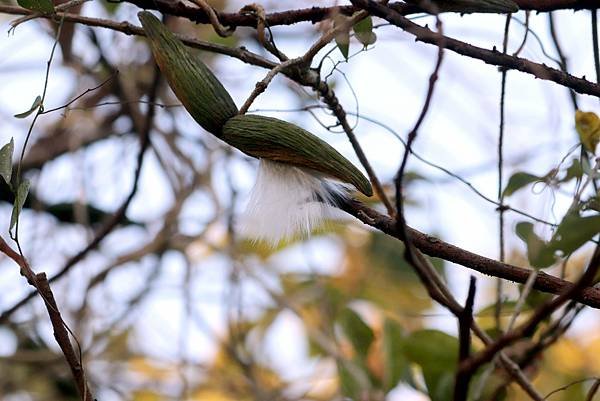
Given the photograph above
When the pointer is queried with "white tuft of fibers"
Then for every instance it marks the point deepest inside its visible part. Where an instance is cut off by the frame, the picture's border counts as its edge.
(286, 201)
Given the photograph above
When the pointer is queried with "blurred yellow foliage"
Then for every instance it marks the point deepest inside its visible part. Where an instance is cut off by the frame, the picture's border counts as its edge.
(588, 127)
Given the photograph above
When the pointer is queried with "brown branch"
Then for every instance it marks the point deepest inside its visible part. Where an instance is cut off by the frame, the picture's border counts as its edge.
(61, 334)
(526, 329)
(435, 247)
(317, 14)
(564, 66)
(329, 97)
(493, 56)
(130, 29)
(465, 320)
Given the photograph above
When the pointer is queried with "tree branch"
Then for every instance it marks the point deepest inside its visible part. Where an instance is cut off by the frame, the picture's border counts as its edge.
(437, 248)
(61, 333)
(317, 14)
(494, 57)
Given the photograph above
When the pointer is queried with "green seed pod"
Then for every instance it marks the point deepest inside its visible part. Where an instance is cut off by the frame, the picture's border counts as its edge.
(274, 139)
(201, 93)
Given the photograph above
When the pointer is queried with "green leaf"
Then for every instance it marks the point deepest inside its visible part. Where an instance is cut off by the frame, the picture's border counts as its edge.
(574, 231)
(575, 170)
(518, 181)
(539, 252)
(535, 298)
(354, 382)
(364, 31)
(111, 6)
(437, 354)
(395, 363)
(42, 6)
(20, 197)
(36, 104)
(6, 154)
(342, 39)
(358, 332)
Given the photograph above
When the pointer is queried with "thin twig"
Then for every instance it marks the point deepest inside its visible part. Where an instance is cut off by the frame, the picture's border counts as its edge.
(317, 14)
(436, 247)
(540, 314)
(522, 298)
(61, 332)
(76, 98)
(494, 57)
(525, 36)
(117, 217)
(500, 151)
(261, 86)
(566, 386)
(561, 55)
(593, 390)
(595, 44)
(214, 20)
(465, 320)
(331, 100)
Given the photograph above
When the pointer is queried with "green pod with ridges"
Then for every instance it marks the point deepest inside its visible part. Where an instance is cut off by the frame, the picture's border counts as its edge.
(278, 140)
(194, 84)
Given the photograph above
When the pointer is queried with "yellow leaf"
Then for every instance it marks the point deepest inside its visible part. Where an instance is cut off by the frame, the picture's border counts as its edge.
(588, 128)
(149, 370)
(570, 354)
(211, 395)
(146, 395)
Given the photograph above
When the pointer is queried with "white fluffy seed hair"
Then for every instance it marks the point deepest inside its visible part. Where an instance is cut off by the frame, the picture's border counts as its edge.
(287, 201)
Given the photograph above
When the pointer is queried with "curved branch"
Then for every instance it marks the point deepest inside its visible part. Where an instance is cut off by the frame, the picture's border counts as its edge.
(494, 57)
(435, 247)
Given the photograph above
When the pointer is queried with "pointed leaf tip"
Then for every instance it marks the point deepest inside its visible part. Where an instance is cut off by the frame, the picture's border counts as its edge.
(20, 198)
(34, 106)
(6, 154)
(278, 140)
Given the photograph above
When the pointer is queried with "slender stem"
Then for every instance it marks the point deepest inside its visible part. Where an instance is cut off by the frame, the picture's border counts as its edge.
(501, 209)
(561, 55)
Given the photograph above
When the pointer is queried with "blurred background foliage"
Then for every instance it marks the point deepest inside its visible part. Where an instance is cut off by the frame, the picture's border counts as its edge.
(173, 305)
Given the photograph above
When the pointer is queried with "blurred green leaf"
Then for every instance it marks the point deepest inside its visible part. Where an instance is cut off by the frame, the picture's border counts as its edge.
(22, 192)
(6, 154)
(354, 381)
(42, 6)
(111, 6)
(488, 311)
(518, 181)
(389, 253)
(574, 231)
(575, 170)
(539, 253)
(229, 41)
(34, 106)
(390, 281)
(364, 31)
(358, 332)
(535, 298)
(342, 39)
(437, 354)
(395, 363)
